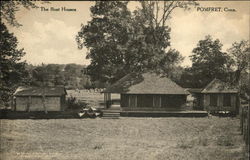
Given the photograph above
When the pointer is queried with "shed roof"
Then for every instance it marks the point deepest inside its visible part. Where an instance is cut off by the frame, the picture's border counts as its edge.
(38, 91)
(145, 83)
(217, 86)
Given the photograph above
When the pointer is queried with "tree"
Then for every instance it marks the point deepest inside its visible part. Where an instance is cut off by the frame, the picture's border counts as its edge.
(240, 53)
(158, 12)
(70, 75)
(106, 36)
(12, 71)
(188, 79)
(169, 64)
(88, 84)
(120, 42)
(75, 76)
(8, 10)
(209, 62)
(98, 84)
(48, 75)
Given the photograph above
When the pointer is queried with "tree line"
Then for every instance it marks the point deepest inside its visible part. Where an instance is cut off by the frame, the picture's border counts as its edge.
(72, 76)
(69, 75)
(120, 41)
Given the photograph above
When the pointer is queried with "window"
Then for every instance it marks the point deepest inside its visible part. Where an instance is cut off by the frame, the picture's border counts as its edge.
(213, 99)
(157, 101)
(226, 100)
(132, 101)
(144, 101)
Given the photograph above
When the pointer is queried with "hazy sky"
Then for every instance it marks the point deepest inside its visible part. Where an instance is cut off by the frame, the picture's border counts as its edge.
(49, 36)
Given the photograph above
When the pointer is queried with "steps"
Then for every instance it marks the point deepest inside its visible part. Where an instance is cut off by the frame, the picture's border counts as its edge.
(111, 113)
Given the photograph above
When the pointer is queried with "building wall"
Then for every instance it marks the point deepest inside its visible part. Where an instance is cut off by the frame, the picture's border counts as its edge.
(53, 103)
(152, 102)
(63, 103)
(220, 104)
(36, 103)
(173, 101)
(21, 103)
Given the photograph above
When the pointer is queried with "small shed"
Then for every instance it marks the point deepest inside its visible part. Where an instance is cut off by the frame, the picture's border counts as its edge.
(216, 96)
(39, 99)
(147, 91)
(220, 96)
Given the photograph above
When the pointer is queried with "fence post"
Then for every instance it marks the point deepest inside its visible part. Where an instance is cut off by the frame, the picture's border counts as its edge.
(244, 124)
(241, 120)
(247, 138)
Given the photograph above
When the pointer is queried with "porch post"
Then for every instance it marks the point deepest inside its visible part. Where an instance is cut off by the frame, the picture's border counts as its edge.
(105, 100)
(108, 99)
(44, 105)
(12, 103)
(110, 102)
(29, 103)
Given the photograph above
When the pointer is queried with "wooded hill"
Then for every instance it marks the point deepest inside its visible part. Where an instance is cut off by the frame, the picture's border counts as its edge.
(72, 76)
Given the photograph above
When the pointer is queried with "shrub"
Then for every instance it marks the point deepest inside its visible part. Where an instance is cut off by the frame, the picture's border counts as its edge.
(74, 104)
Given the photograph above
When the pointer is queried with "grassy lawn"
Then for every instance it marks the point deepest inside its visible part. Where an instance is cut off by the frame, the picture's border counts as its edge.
(125, 138)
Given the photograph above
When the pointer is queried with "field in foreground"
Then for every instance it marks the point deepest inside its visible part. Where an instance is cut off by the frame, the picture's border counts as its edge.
(125, 138)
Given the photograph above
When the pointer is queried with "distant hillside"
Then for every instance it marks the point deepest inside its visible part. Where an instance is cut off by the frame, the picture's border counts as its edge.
(72, 76)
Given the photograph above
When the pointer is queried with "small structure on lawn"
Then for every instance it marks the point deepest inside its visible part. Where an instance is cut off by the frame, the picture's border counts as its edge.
(147, 92)
(39, 99)
(216, 96)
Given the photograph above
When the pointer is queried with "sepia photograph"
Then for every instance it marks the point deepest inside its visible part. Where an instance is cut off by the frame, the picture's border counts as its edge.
(124, 80)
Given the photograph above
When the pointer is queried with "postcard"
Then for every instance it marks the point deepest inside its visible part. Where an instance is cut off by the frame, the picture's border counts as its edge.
(129, 80)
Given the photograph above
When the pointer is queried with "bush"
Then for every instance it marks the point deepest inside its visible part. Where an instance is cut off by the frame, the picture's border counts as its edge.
(74, 104)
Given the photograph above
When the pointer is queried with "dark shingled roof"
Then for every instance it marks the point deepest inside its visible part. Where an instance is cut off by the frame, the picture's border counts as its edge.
(37, 91)
(217, 86)
(146, 83)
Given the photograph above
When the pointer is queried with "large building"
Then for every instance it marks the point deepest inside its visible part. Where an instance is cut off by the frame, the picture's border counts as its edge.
(147, 91)
(39, 99)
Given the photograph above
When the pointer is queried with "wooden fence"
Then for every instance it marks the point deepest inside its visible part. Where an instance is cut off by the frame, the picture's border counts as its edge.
(244, 123)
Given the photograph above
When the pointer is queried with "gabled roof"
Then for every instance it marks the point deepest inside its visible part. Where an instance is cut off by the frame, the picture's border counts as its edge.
(217, 86)
(146, 83)
(38, 91)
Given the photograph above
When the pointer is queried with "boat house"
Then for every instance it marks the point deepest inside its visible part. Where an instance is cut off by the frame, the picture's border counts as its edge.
(39, 99)
(147, 92)
(216, 96)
